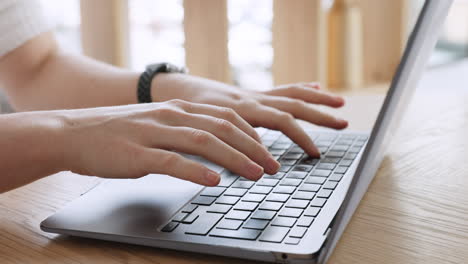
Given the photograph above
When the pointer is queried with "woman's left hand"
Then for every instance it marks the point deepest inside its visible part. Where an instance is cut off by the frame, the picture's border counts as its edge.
(276, 109)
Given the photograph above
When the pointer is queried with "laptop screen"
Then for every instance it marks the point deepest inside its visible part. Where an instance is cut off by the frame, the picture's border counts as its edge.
(424, 22)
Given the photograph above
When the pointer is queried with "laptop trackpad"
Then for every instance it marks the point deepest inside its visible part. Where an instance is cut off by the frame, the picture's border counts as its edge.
(126, 206)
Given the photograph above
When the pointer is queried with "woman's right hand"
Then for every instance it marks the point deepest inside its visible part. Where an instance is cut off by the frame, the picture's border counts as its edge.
(135, 140)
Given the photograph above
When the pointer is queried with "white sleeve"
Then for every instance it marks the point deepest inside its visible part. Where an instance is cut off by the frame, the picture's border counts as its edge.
(20, 20)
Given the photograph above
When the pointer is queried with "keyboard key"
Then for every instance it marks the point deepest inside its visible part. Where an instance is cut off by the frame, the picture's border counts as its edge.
(290, 182)
(342, 148)
(323, 143)
(243, 184)
(331, 185)
(298, 232)
(336, 177)
(312, 211)
(277, 176)
(326, 166)
(229, 224)
(256, 224)
(335, 154)
(227, 200)
(296, 150)
(190, 218)
(294, 156)
(272, 206)
(284, 189)
(204, 224)
(294, 203)
(328, 159)
(278, 152)
(284, 168)
(315, 180)
(318, 202)
(355, 149)
(291, 212)
(277, 197)
(245, 206)
(189, 208)
(203, 200)
(247, 234)
(344, 142)
(305, 221)
(307, 187)
(274, 234)
(341, 170)
(321, 173)
(262, 214)
(235, 192)
(350, 156)
(324, 193)
(238, 215)
(171, 226)
(281, 145)
(227, 178)
(261, 189)
(304, 195)
(303, 168)
(252, 197)
(212, 191)
(346, 163)
(292, 241)
(284, 221)
(297, 175)
(287, 162)
(219, 208)
(309, 161)
(267, 182)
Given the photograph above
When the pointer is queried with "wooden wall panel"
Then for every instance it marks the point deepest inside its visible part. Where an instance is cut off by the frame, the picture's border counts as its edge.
(206, 38)
(299, 41)
(104, 30)
(384, 36)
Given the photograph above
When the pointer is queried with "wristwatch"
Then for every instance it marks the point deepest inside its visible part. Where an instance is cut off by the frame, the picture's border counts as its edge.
(144, 83)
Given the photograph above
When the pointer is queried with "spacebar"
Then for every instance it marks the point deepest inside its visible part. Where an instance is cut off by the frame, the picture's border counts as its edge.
(248, 234)
(204, 224)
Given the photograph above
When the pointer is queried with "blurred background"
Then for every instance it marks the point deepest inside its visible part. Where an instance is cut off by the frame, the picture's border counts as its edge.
(347, 45)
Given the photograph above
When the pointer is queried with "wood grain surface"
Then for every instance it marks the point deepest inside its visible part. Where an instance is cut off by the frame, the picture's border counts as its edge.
(416, 209)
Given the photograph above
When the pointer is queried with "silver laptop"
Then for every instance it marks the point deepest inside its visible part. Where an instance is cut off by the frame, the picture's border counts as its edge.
(294, 216)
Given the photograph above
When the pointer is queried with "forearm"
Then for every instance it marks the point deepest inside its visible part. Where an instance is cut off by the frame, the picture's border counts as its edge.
(57, 80)
(29, 148)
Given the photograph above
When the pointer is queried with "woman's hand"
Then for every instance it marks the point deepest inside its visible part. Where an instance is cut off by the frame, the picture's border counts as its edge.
(275, 109)
(136, 140)
(130, 142)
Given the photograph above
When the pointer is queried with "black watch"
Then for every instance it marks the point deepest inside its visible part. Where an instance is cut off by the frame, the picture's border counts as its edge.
(144, 83)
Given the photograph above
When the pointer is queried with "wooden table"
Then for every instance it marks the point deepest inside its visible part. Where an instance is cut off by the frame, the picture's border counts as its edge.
(416, 210)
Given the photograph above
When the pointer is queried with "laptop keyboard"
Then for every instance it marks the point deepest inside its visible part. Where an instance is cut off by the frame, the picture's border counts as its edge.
(278, 208)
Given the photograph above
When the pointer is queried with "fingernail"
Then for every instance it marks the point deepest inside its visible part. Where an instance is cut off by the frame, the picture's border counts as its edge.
(342, 121)
(212, 178)
(272, 165)
(315, 152)
(254, 171)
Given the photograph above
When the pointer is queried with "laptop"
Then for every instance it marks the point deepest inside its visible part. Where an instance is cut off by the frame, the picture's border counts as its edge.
(295, 216)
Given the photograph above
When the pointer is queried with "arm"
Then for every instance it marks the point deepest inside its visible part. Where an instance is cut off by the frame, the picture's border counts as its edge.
(38, 76)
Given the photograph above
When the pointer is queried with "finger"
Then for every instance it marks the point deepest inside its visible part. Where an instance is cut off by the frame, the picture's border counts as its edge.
(272, 118)
(204, 144)
(159, 161)
(306, 112)
(226, 114)
(309, 96)
(232, 135)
